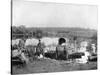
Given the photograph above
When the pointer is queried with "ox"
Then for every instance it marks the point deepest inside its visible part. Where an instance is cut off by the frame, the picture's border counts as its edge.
(83, 58)
(17, 44)
(18, 58)
(30, 46)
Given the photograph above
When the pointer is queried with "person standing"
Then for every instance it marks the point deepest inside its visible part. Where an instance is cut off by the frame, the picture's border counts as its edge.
(39, 49)
(61, 49)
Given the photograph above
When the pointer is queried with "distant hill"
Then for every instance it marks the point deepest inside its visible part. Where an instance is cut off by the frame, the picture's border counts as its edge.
(80, 32)
(55, 29)
(70, 31)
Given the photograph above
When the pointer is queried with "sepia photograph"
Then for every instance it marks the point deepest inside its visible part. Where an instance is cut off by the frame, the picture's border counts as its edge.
(51, 37)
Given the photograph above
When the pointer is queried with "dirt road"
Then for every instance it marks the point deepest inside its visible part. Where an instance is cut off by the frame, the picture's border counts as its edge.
(51, 65)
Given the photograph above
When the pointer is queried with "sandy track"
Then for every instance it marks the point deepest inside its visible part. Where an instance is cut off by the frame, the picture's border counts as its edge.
(51, 65)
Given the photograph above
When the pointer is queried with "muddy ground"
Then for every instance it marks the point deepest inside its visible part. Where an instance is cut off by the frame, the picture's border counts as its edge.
(50, 65)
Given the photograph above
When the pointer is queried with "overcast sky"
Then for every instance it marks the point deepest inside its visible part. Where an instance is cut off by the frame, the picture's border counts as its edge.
(40, 14)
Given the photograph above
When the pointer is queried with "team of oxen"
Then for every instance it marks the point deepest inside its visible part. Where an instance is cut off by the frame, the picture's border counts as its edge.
(56, 48)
